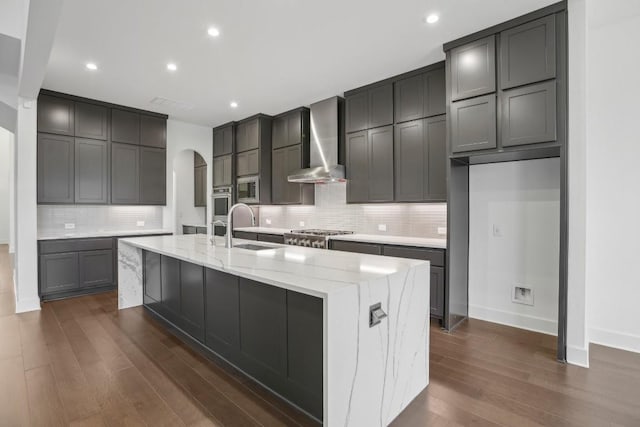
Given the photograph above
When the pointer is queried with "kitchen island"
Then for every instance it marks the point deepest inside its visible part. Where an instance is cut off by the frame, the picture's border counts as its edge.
(297, 320)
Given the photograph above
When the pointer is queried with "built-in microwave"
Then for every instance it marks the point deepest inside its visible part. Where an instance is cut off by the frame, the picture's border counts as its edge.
(248, 189)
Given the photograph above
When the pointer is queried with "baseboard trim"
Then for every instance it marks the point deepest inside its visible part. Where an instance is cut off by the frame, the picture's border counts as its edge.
(530, 323)
(578, 356)
(619, 340)
(32, 304)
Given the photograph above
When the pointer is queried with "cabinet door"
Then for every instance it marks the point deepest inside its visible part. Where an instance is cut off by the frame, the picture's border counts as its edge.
(222, 171)
(271, 238)
(410, 160)
(96, 268)
(357, 167)
(357, 111)
(242, 164)
(293, 163)
(227, 170)
(91, 171)
(295, 132)
(435, 130)
(55, 115)
(381, 164)
(473, 124)
(247, 163)
(58, 272)
(55, 169)
(437, 291)
(528, 53)
(153, 131)
(248, 136)
(222, 295)
(358, 247)
(200, 186)
(473, 69)
(223, 141)
(279, 176)
(263, 329)
(90, 121)
(170, 272)
(246, 235)
(280, 132)
(152, 278)
(529, 114)
(125, 182)
(188, 229)
(409, 98)
(381, 106)
(434, 93)
(125, 126)
(192, 299)
(153, 165)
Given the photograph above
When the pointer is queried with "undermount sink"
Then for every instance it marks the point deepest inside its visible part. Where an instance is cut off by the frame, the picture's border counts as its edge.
(252, 247)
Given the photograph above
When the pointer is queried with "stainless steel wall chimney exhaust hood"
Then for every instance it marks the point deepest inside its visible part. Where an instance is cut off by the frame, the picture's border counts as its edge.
(327, 146)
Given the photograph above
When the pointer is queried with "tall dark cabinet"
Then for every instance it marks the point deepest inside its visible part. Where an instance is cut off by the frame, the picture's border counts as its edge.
(92, 152)
(253, 153)
(223, 155)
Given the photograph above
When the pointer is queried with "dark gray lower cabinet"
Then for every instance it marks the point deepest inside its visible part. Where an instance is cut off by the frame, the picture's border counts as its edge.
(272, 238)
(245, 235)
(437, 292)
(96, 268)
(271, 334)
(58, 272)
(358, 247)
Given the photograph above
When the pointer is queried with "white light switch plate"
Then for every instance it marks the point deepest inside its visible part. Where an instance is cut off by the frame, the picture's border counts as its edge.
(301, 223)
(268, 221)
(442, 231)
(140, 223)
(382, 227)
(69, 226)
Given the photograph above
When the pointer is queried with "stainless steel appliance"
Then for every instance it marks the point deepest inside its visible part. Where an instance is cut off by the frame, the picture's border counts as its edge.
(221, 201)
(327, 144)
(312, 238)
(248, 189)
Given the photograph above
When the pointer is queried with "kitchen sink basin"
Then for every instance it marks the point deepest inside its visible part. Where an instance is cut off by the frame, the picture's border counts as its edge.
(252, 247)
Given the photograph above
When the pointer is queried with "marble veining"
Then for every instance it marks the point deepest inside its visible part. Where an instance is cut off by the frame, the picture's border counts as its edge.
(129, 276)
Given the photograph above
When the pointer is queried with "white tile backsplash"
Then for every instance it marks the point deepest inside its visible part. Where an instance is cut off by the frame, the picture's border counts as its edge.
(332, 212)
(91, 218)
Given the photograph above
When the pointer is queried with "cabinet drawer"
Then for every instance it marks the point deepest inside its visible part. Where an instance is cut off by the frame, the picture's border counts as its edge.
(362, 248)
(187, 229)
(434, 255)
(245, 235)
(272, 238)
(75, 245)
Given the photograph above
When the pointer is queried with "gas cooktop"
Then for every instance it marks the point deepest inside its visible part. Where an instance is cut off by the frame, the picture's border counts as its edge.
(311, 237)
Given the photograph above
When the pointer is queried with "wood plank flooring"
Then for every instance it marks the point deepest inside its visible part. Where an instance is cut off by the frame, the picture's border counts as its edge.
(81, 362)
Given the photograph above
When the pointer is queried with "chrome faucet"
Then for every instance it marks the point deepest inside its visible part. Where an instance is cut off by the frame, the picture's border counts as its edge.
(228, 243)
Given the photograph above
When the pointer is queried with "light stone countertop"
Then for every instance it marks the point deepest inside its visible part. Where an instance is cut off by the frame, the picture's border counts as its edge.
(317, 272)
(421, 242)
(71, 234)
(263, 230)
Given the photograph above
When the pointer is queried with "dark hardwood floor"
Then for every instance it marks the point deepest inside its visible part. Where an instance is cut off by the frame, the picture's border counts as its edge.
(82, 362)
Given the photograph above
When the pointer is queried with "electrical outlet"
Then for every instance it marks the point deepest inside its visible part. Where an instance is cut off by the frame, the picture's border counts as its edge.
(497, 230)
(140, 223)
(442, 231)
(522, 295)
(382, 227)
(268, 221)
(69, 226)
(301, 223)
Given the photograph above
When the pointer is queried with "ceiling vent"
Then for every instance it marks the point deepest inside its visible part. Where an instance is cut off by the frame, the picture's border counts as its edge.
(171, 104)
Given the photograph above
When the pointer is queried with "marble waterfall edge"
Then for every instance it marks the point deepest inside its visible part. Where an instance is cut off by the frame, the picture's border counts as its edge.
(129, 275)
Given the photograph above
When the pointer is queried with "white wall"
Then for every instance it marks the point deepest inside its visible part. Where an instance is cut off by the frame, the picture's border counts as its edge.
(613, 175)
(186, 213)
(522, 199)
(5, 171)
(185, 136)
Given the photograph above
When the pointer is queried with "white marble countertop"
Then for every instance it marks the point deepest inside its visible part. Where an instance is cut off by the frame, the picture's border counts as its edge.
(70, 234)
(394, 240)
(317, 272)
(263, 230)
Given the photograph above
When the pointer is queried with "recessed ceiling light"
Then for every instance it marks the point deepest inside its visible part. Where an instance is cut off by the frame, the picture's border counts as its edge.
(91, 66)
(171, 66)
(432, 19)
(233, 104)
(213, 32)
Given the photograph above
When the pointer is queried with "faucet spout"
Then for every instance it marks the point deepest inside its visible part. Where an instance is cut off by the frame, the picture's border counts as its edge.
(228, 243)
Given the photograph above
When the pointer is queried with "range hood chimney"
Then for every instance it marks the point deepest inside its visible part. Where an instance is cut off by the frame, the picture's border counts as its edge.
(327, 146)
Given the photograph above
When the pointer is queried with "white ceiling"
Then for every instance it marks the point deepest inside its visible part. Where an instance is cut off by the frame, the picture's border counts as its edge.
(272, 55)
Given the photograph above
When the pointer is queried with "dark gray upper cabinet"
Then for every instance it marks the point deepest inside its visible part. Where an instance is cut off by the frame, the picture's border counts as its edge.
(370, 166)
(223, 140)
(58, 272)
(473, 69)
(410, 161)
(91, 171)
(528, 53)
(529, 114)
(153, 163)
(125, 174)
(55, 115)
(357, 111)
(153, 131)
(192, 299)
(55, 168)
(125, 126)
(285, 161)
(381, 105)
(247, 163)
(200, 186)
(435, 129)
(473, 124)
(95, 268)
(248, 135)
(222, 171)
(91, 121)
(419, 96)
(290, 128)
(279, 132)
